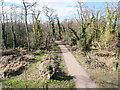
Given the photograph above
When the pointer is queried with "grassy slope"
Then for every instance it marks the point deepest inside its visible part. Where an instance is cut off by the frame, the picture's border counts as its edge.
(60, 80)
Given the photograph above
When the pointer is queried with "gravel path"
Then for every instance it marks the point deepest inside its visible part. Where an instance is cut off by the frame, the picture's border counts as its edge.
(80, 77)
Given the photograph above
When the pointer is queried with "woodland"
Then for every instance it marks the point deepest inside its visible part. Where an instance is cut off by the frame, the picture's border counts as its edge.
(30, 58)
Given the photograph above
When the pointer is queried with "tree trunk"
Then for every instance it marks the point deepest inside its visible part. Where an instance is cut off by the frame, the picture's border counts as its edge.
(3, 36)
(14, 37)
(59, 28)
(3, 29)
(53, 29)
(26, 26)
(13, 33)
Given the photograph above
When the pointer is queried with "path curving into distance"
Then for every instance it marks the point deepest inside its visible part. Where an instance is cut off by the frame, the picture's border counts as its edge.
(79, 75)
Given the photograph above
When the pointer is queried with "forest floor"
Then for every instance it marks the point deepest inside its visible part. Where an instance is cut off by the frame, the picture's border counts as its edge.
(80, 77)
(99, 65)
(30, 77)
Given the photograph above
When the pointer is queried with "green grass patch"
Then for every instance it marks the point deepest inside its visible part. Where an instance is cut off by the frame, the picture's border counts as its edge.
(37, 57)
(21, 83)
(18, 83)
(61, 66)
(63, 69)
(60, 84)
(11, 82)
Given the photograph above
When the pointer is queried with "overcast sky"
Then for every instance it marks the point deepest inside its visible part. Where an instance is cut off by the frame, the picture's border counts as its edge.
(64, 8)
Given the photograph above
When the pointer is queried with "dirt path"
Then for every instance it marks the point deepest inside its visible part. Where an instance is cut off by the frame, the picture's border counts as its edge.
(80, 77)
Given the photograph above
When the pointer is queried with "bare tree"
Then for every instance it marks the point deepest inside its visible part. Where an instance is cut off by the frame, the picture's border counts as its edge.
(50, 13)
(26, 7)
(3, 28)
(26, 25)
(12, 28)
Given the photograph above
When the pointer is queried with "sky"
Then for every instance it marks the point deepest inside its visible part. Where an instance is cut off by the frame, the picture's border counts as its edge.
(64, 8)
